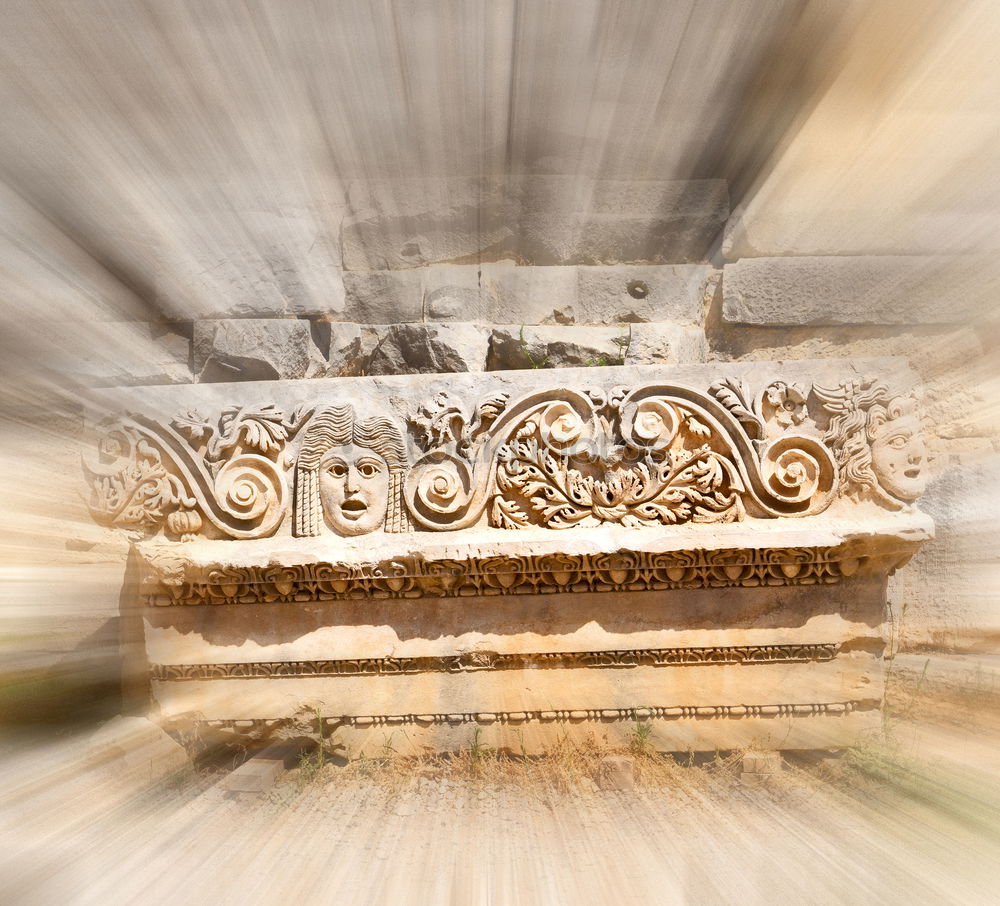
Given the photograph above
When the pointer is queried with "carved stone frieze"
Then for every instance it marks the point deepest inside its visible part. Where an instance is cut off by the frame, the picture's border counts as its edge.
(475, 661)
(648, 455)
(416, 577)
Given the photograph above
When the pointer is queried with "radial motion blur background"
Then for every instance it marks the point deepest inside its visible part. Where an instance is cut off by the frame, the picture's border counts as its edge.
(209, 190)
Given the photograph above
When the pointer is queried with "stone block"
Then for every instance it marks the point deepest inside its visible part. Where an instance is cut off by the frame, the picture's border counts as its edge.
(383, 297)
(654, 344)
(555, 347)
(617, 772)
(531, 295)
(258, 774)
(455, 293)
(541, 220)
(430, 348)
(254, 349)
(640, 293)
(398, 552)
(351, 347)
(886, 289)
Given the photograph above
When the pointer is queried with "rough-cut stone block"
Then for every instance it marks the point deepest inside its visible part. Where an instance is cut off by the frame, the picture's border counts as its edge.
(430, 348)
(534, 220)
(259, 773)
(637, 293)
(659, 344)
(888, 289)
(556, 347)
(254, 349)
(617, 772)
(351, 347)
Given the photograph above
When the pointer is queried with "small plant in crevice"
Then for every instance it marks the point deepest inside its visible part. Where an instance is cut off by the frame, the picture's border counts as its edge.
(312, 762)
(526, 352)
(641, 738)
(624, 343)
(477, 750)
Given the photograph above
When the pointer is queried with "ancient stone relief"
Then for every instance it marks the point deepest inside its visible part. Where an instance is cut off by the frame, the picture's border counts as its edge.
(171, 579)
(654, 455)
(875, 437)
(353, 472)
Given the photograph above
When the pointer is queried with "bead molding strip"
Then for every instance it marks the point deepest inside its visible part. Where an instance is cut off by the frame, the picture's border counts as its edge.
(677, 712)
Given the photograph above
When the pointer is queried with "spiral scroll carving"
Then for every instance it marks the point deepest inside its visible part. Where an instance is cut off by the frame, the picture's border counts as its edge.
(252, 493)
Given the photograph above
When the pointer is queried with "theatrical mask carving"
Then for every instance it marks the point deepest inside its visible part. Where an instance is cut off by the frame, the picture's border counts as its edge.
(876, 438)
(354, 489)
(349, 474)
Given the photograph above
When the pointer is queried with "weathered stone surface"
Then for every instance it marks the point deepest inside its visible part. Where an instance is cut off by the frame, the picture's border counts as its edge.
(540, 220)
(611, 295)
(531, 295)
(893, 289)
(429, 349)
(656, 344)
(556, 347)
(138, 750)
(254, 349)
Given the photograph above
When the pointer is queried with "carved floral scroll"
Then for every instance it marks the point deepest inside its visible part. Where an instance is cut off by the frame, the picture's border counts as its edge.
(658, 454)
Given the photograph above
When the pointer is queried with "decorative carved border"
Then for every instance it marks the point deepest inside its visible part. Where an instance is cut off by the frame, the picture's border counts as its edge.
(414, 577)
(647, 455)
(491, 660)
(677, 712)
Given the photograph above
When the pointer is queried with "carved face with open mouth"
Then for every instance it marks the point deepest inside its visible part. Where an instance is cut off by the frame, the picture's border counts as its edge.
(898, 455)
(354, 489)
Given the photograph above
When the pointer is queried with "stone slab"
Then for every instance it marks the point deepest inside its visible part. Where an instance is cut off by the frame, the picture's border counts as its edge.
(876, 289)
(541, 220)
(259, 773)
(266, 598)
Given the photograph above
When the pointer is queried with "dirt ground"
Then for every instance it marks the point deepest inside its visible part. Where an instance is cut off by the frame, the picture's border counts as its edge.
(912, 818)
